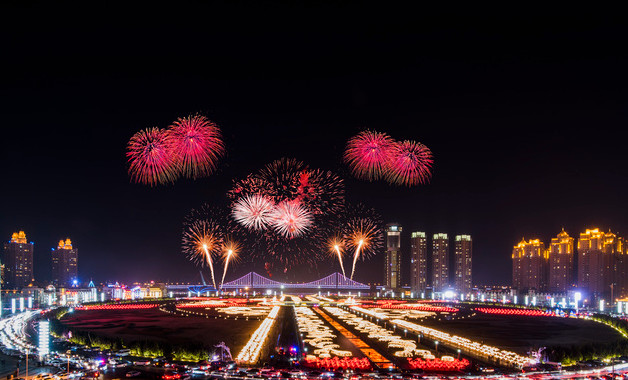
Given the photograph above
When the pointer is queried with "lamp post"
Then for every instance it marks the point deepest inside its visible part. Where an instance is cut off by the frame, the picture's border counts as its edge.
(436, 344)
(458, 354)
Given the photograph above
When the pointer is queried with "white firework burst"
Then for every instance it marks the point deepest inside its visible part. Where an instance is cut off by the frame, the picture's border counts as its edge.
(291, 219)
(253, 211)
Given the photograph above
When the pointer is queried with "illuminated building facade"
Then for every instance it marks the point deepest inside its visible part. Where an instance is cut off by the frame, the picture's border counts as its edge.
(462, 259)
(18, 262)
(440, 262)
(601, 263)
(64, 264)
(530, 266)
(393, 256)
(418, 260)
(561, 263)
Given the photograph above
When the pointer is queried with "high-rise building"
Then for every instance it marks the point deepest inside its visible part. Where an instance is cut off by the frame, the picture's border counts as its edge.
(393, 256)
(601, 263)
(440, 262)
(561, 263)
(418, 261)
(64, 264)
(529, 266)
(463, 253)
(18, 262)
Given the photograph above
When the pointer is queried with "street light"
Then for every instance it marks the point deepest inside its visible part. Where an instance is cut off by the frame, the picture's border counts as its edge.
(436, 343)
(458, 354)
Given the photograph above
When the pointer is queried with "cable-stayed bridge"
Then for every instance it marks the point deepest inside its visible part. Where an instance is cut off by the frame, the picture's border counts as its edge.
(254, 281)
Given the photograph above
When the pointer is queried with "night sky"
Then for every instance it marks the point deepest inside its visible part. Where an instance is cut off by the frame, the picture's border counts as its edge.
(525, 115)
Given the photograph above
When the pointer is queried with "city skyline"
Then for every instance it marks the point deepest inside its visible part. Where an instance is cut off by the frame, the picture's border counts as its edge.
(510, 116)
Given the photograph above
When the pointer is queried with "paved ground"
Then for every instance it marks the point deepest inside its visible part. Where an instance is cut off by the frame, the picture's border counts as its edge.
(9, 365)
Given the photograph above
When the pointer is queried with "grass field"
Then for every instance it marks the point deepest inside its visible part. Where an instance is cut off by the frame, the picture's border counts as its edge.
(519, 334)
(152, 324)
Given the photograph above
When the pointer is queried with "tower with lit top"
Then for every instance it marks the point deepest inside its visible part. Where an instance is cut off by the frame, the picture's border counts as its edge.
(393, 256)
(561, 263)
(64, 264)
(602, 263)
(440, 262)
(530, 266)
(418, 261)
(462, 263)
(17, 257)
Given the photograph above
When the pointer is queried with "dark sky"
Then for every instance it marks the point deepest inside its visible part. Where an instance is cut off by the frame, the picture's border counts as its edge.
(525, 114)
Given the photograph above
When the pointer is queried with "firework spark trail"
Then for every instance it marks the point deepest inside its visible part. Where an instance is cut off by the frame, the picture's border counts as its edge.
(355, 257)
(211, 265)
(231, 249)
(224, 272)
(198, 143)
(151, 158)
(410, 163)
(337, 248)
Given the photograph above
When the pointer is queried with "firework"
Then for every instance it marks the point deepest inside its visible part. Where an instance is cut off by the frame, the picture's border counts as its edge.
(253, 211)
(280, 179)
(410, 163)
(362, 232)
(198, 144)
(201, 241)
(311, 201)
(322, 192)
(368, 154)
(335, 245)
(291, 219)
(230, 250)
(151, 157)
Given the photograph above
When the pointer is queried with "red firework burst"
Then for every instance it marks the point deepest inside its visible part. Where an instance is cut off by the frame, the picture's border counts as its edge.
(290, 219)
(410, 164)
(198, 143)
(368, 154)
(151, 158)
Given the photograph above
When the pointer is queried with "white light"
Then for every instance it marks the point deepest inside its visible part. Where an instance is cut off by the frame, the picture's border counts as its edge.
(619, 307)
(21, 304)
(578, 296)
(30, 302)
(601, 305)
(13, 306)
(514, 300)
(449, 294)
(534, 301)
(44, 338)
(526, 300)
(552, 302)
